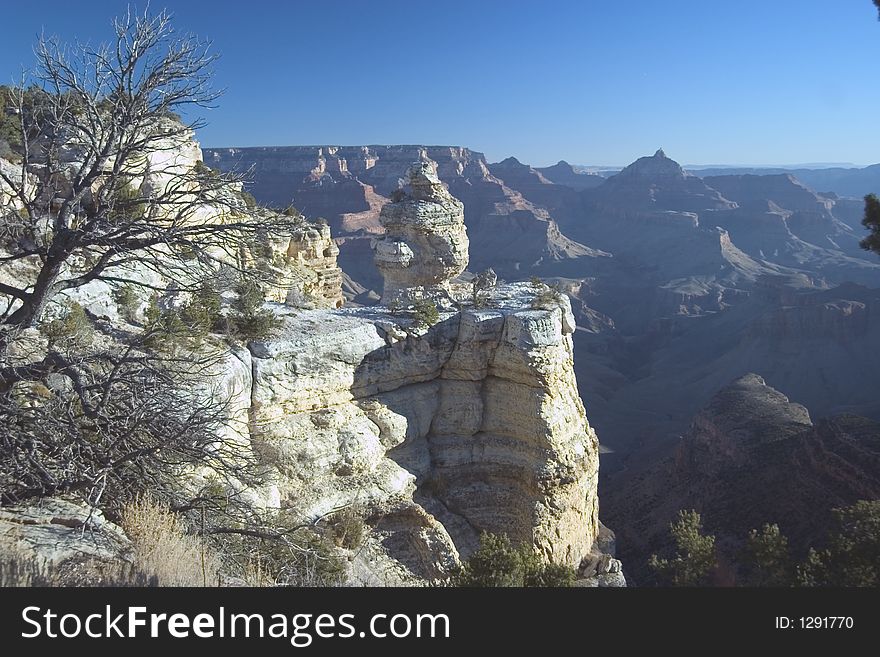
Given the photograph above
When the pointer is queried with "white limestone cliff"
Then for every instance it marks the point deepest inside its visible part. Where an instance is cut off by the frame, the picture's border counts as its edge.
(472, 425)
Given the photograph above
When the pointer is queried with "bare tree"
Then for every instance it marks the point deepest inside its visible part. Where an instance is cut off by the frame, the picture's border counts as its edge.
(98, 192)
(99, 195)
(120, 420)
(91, 189)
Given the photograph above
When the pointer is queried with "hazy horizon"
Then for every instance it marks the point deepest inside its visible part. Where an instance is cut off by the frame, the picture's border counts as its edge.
(588, 165)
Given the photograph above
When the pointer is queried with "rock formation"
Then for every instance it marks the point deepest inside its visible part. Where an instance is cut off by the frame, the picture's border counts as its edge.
(309, 277)
(348, 185)
(853, 182)
(434, 431)
(472, 425)
(562, 173)
(562, 201)
(425, 243)
(657, 183)
(782, 221)
(750, 457)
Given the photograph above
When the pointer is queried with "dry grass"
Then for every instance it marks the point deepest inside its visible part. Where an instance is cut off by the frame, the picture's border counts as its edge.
(162, 546)
(16, 570)
(21, 567)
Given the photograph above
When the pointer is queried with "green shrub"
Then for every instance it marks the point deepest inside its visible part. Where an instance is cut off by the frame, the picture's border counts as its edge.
(10, 126)
(550, 575)
(191, 324)
(34, 108)
(72, 329)
(249, 321)
(202, 313)
(498, 563)
(852, 557)
(188, 325)
(128, 301)
(694, 557)
(767, 558)
(547, 296)
(125, 202)
(425, 313)
(203, 170)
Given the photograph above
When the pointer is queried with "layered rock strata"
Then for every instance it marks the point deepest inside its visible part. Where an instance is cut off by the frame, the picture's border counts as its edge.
(425, 243)
(308, 275)
(472, 425)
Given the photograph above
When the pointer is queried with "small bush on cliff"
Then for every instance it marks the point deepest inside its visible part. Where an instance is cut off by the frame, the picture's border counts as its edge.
(204, 170)
(694, 557)
(128, 301)
(546, 296)
(202, 313)
(73, 329)
(498, 563)
(425, 313)
(124, 202)
(188, 325)
(249, 321)
(10, 126)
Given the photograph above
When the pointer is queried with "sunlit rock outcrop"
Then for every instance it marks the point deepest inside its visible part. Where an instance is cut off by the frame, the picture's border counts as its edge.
(471, 425)
(425, 244)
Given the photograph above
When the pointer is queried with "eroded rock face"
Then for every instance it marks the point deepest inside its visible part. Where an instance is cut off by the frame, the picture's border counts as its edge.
(439, 433)
(80, 545)
(657, 183)
(425, 243)
(308, 275)
(472, 425)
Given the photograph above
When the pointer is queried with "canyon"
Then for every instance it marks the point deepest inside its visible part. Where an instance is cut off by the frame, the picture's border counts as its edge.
(659, 289)
(435, 429)
(680, 283)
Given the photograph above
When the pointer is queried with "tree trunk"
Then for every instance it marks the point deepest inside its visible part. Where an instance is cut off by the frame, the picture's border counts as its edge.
(31, 309)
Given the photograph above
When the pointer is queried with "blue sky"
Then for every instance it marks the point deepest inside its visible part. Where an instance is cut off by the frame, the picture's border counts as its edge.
(592, 82)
